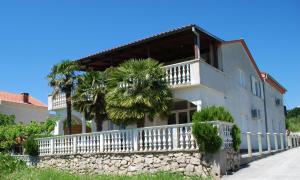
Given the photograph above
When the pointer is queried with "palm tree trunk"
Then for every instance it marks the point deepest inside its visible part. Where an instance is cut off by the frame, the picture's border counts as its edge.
(69, 111)
(99, 121)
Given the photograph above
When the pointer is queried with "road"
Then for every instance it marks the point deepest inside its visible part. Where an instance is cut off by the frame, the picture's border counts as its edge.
(281, 166)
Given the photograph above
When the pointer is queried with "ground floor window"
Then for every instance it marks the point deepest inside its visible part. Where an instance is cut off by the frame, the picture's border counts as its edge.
(182, 112)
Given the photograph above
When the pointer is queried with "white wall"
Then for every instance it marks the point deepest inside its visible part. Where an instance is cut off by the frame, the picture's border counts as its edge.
(275, 113)
(240, 100)
(24, 113)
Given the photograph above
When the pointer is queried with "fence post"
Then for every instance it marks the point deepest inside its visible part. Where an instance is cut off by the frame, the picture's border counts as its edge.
(268, 142)
(74, 145)
(101, 144)
(275, 141)
(174, 138)
(259, 143)
(135, 139)
(51, 146)
(249, 144)
(281, 141)
(287, 141)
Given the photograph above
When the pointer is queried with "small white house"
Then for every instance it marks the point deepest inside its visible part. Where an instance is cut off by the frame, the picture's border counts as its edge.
(23, 106)
(202, 70)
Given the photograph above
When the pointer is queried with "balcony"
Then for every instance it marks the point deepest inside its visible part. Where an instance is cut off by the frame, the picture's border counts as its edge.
(183, 74)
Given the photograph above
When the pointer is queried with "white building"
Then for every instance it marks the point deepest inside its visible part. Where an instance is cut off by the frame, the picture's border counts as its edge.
(23, 106)
(203, 70)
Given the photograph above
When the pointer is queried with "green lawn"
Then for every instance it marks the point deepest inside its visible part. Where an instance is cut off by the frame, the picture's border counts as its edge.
(51, 174)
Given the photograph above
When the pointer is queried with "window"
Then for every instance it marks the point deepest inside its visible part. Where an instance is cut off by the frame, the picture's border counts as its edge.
(277, 102)
(257, 87)
(242, 78)
(255, 113)
(182, 112)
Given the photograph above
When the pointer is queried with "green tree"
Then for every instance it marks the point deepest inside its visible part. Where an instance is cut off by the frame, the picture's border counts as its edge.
(7, 119)
(89, 96)
(63, 78)
(135, 89)
(292, 121)
(293, 113)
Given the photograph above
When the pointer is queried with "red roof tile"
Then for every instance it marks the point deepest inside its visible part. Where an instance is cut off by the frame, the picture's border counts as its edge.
(18, 98)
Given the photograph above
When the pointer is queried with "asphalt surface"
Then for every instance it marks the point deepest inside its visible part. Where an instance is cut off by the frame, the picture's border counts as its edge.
(282, 166)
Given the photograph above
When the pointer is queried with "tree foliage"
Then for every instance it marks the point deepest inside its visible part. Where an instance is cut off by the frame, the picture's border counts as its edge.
(293, 119)
(135, 89)
(89, 96)
(7, 119)
(293, 113)
(63, 78)
(9, 133)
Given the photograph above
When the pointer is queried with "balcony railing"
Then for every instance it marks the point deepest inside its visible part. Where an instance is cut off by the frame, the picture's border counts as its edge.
(149, 139)
(178, 75)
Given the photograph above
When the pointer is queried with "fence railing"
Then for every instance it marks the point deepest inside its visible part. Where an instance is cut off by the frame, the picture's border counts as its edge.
(148, 139)
(268, 142)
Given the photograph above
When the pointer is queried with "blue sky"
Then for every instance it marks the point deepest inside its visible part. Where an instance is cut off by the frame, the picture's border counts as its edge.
(34, 35)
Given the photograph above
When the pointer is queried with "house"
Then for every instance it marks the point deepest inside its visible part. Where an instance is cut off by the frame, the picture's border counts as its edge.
(23, 106)
(202, 70)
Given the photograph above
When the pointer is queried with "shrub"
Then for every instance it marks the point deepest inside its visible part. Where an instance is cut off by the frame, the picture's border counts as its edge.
(31, 146)
(213, 113)
(207, 135)
(9, 164)
(236, 137)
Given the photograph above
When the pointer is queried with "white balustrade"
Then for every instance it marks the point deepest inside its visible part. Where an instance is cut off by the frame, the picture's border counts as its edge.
(273, 140)
(155, 138)
(179, 74)
(58, 101)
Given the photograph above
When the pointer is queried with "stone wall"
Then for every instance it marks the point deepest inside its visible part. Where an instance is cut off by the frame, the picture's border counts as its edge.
(128, 163)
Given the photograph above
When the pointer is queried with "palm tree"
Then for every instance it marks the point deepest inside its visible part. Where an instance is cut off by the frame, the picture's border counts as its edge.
(63, 78)
(135, 89)
(89, 96)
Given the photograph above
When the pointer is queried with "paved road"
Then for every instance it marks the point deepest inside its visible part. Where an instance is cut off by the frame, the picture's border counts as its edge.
(281, 166)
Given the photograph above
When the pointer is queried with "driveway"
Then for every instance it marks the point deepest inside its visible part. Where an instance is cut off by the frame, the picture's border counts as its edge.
(281, 166)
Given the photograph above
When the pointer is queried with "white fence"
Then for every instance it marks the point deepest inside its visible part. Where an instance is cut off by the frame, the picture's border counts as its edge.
(178, 74)
(155, 138)
(274, 142)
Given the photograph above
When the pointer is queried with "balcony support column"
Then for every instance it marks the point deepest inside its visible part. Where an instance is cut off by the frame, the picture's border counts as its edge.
(198, 104)
(196, 43)
(59, 127)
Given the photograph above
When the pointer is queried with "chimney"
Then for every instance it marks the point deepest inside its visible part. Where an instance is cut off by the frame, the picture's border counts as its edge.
(25, 97)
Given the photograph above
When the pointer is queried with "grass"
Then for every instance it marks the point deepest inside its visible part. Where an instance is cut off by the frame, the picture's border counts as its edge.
(51, 174)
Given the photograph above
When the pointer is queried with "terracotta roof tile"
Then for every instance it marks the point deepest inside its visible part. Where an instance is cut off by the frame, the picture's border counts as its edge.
(17, 98)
